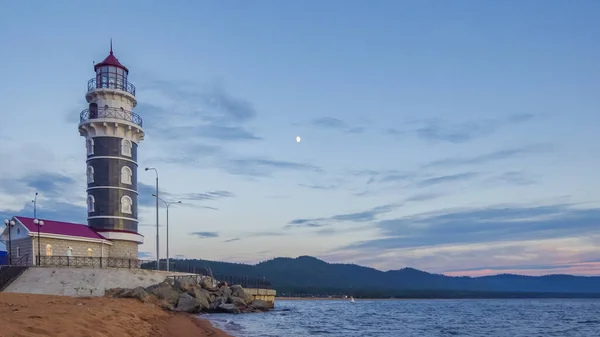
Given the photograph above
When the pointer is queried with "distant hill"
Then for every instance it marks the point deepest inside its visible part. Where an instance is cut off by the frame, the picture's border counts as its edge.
(308, 275)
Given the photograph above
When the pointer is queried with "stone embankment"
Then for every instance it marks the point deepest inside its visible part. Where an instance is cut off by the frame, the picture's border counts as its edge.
(193, 295)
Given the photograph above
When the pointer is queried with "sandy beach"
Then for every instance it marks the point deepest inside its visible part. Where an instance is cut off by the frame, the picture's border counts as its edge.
(25, 315)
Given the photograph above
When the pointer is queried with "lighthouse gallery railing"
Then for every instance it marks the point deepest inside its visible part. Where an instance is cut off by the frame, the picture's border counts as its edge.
(111, 83)
(116, 113)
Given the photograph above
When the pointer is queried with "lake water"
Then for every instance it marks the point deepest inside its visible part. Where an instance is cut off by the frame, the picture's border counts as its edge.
(407, 318)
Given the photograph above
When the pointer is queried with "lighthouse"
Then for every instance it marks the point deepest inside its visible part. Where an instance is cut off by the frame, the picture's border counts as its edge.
(112, 133)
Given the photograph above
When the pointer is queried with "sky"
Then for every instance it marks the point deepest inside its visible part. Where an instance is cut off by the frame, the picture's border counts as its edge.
(456, 137)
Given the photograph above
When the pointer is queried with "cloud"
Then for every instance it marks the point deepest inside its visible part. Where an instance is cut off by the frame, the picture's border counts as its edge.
(145, 191)
(358, 217)
(488, 157)
(203, 112)
(437, 130)
(482, 225)
(423, 197)
(51, 210)
(183, 115)
(335, 124)
(212, 195)
(447, 179)
(264, 233)
(217, 132)
(145, 198)
(205, 234)
(512, 178)
(319, 187)
(262, 167)
(49, 184)
(211, 102)
(58, 197)
(232, 240)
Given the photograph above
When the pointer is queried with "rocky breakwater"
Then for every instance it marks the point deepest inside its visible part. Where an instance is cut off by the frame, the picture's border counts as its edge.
(194, 295)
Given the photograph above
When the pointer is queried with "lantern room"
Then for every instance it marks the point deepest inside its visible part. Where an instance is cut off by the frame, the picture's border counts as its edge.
(111, 74)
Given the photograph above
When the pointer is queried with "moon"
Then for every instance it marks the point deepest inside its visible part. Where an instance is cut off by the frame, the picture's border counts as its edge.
(298, 139)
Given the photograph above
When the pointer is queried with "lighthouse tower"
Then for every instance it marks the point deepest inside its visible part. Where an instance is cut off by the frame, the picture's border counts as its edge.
(112, 133)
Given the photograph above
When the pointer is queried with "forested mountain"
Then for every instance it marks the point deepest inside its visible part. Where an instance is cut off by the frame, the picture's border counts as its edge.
(307, 274)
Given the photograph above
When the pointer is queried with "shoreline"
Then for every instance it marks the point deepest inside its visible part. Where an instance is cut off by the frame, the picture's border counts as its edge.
(30, 315)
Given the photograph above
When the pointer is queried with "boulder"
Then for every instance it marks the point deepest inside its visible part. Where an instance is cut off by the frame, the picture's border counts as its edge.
(238, 291)
(185, 294)
(202, 296)
(115, 292)
(163, 284)
(168, 294)
(185, 283)
(260, 305)
(224, 290)
(190, 304)
(137, 293)
(217, 302)
(208, 283)
(238, 302)
(228, 308)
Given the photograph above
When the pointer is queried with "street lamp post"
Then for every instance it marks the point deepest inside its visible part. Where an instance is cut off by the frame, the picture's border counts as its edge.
(167, 204)
(157, 255)
(39, 224)
(9, 224)
(34, 201)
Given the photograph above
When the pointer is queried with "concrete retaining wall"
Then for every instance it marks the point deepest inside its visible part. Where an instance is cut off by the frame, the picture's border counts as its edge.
(83, 281)
(267, 295)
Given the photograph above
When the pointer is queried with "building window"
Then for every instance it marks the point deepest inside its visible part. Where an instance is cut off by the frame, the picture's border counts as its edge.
(91, 203)
(48, 250)
(18, 251)
(69, 251)
(89, 144)
(126, 174)
(90, 174)
(18, 230)
(90, 252)
(126, 204)
(126, 147)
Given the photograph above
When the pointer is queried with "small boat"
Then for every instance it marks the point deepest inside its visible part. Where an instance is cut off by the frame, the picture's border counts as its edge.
(351, 299)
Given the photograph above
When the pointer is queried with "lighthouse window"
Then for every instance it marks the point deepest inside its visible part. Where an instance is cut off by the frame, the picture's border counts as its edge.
(104, 80)
(112, 81)
(126, 204)
(90, 147)
(126, 175)
(90, 203)
(126, 147)
(90, 174)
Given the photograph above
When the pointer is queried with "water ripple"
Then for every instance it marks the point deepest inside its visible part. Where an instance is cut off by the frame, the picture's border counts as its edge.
(412, 318)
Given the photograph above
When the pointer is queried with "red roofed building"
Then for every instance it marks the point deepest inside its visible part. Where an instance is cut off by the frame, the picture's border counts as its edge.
(56, 239)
